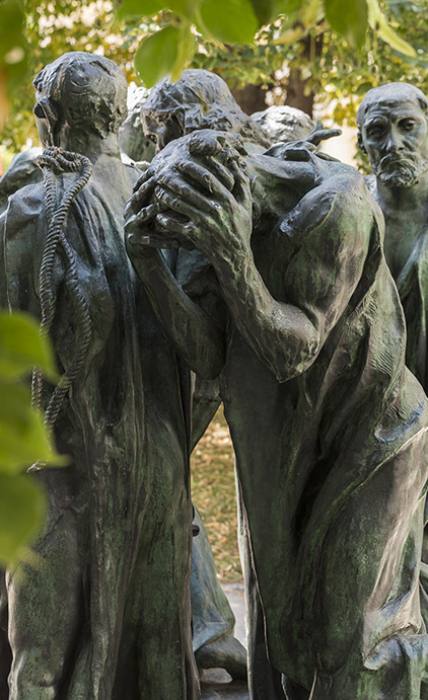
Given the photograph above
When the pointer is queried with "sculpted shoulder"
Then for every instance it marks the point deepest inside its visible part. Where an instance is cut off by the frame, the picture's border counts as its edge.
(338, 194)
(26, 209)
(22, 171)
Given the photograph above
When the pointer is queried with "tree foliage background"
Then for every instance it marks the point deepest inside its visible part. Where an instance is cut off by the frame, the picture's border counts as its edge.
(298, 58)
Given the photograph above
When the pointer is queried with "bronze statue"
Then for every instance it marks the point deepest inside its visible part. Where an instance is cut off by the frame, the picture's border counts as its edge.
(107, 614)
(198, 100)
(393, 131)
(328, 424)
(283, 123)
(201, 99)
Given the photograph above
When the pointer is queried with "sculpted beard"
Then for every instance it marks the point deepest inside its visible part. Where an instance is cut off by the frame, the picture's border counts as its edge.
(400, 169)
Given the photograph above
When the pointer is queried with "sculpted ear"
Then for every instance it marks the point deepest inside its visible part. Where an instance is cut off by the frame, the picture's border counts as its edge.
(46, 109)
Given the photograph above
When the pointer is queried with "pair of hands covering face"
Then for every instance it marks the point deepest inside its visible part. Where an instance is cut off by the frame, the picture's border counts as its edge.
(197, 193)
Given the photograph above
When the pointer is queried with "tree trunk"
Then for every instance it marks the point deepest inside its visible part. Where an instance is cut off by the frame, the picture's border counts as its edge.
(251, 98)
(298, 94)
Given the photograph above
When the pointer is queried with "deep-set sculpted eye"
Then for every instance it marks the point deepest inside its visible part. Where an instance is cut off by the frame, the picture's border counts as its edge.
(376, 130)
(407, 124)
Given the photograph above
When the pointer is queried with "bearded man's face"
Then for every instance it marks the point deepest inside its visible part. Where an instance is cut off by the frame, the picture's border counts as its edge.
(395, 137)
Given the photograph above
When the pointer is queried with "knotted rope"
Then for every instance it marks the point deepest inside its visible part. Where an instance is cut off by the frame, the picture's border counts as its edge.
(55, 161)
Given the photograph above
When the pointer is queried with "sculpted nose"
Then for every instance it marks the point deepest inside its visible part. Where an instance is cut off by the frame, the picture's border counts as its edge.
(161, 138)
(394, 141)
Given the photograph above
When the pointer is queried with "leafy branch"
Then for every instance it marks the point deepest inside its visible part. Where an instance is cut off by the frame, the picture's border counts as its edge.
(24, 439)
(171, 49)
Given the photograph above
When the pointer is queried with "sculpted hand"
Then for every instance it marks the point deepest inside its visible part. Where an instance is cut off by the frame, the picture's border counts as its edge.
(196, 193)
(206, 198)
(193, 174)
(302, 150)
(140, 215)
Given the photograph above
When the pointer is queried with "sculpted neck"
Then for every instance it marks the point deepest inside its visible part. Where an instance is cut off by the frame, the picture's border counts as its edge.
(89, 145)
(400, 201)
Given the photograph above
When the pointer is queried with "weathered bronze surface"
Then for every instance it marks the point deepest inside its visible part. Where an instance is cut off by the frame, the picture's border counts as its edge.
(328, 424)
(283, 123)
(264, 272)
(393, 131)
(200, 99)
(107, 614)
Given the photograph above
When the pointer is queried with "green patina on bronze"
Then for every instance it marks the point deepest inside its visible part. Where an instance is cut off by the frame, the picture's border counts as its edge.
(107, 614)
(328, 425)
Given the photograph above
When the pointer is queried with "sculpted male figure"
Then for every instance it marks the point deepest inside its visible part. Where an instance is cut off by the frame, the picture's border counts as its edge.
(328, 425)
(283, 123)
(199, 100)
(107, 613)
(202, 100)
(393, 130)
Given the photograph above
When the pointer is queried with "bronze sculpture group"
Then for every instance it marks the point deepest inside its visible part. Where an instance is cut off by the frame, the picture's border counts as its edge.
(264, 275)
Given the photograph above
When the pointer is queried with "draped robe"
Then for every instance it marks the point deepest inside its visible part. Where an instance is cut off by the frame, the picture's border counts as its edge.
(126, 429)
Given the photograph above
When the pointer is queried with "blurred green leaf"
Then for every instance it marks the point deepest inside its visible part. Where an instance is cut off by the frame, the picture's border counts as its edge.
(22, 348)
(379, 23)
(157, 55)
(310, 12)
(15, 404)
(290, 6)
(349, 19)
(145, 8)
(13, 52)
(22, 513)
(266, 10)
(387, 33)
(185, 8)
(13, 44)
(23, 436)
(139, 8)
(230, 21)
(186, 50)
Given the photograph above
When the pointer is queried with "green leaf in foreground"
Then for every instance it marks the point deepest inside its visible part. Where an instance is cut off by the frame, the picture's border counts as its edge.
(266, 10)
(13, 44)
(157, 55)
(389, 36)
(289, 6)
(348, 19)
(186, 51)
(146, 8)
(230, 21)
(22, 513)
(185, 8)
(139, 8)
(22, 348)
(13, 53)
(379, 23)
(23, 436)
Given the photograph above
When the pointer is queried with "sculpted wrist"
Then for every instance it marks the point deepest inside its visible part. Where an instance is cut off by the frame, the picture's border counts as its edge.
(233, 253)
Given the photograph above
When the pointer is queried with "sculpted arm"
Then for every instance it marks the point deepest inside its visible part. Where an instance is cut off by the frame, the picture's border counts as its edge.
(332, 226)
(198, 339)
(288, 334)
(19, 255)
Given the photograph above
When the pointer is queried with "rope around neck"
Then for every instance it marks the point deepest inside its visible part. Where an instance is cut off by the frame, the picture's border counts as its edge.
(53, 162)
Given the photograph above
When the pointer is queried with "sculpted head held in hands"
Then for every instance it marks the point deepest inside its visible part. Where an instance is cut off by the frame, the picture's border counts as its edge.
(198, 100)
